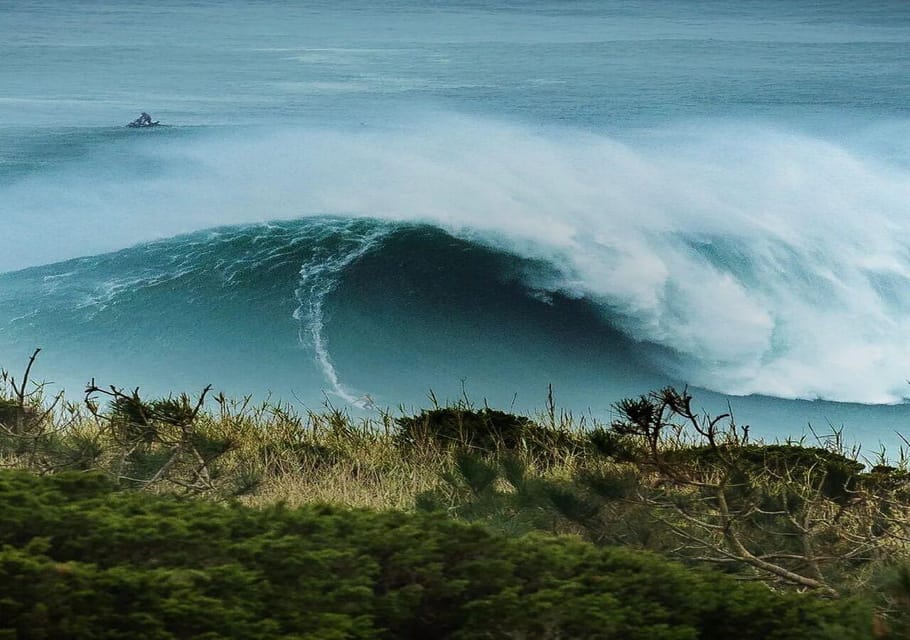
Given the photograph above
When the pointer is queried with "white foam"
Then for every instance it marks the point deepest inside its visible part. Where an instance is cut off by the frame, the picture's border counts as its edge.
(319, 276)
(811, 300)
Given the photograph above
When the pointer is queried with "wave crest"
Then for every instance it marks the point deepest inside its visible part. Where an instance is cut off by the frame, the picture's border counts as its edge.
(767, 261)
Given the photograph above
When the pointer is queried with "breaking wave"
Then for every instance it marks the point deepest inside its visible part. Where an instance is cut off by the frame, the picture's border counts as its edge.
(752, 259)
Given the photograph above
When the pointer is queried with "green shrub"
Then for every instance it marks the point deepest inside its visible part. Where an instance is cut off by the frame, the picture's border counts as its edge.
(485, 431)
(11, 413)
(80, 561)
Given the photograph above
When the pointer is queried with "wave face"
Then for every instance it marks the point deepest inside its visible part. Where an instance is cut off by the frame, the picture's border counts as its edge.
(367, 310)
(755, 260)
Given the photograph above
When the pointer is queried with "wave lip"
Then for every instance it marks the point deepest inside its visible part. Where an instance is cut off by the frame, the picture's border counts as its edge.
(763, 261)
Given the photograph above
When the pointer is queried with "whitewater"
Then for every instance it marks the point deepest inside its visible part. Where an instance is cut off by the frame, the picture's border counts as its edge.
(368, 201)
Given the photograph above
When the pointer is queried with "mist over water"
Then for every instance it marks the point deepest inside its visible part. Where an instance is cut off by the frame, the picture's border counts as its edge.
(721, 191)
(768, 261)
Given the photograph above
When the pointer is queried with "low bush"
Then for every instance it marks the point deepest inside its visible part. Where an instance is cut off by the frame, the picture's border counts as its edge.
(485, 431)
(78, 560)
(660, 477)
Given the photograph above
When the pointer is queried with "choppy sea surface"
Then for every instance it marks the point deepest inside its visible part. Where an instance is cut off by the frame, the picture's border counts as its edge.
(361, 202)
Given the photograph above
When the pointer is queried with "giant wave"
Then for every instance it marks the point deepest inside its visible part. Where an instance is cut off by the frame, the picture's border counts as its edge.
(751, 259)
(401, 306)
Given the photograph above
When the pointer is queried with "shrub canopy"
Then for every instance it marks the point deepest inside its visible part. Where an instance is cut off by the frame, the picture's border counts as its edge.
(79, 560)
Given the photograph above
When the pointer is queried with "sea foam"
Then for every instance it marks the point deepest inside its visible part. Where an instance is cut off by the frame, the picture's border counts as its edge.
(769, 261)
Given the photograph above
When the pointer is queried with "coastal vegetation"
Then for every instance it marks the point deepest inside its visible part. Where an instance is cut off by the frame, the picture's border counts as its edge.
(205, 517)
(81, 560)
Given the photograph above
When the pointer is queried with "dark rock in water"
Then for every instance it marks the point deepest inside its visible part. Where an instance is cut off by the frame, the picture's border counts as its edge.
(143, 121)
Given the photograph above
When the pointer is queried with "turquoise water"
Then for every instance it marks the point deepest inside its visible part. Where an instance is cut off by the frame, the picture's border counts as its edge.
(605, 196)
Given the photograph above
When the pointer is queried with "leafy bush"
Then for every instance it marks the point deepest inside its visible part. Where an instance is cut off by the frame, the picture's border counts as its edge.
(485, 430)
(660, 477)
(80, 561)
(11, 413)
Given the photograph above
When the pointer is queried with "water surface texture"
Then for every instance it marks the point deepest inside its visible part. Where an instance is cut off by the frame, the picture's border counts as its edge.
(363, 201)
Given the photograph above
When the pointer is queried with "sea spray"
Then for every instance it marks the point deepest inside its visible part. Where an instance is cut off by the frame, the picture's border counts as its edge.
(768, 261)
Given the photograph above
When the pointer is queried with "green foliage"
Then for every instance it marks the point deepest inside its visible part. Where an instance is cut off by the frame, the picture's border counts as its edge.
(486, 431)
(478, 474)
(573, 505)
(834, 473)
(78, 561)
(11, 413)
(515, 471)
(311, 455)
(610, 483)
(612, 444)
(661, 477)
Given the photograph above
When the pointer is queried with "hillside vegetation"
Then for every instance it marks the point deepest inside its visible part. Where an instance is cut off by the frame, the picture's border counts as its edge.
(787, 521)
(78, 561)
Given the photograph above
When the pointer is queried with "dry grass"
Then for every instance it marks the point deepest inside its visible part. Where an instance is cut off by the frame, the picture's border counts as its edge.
(665, 479)
(234, 449)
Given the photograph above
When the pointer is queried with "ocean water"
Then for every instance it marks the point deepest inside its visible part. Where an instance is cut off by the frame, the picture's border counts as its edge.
(362, 202)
